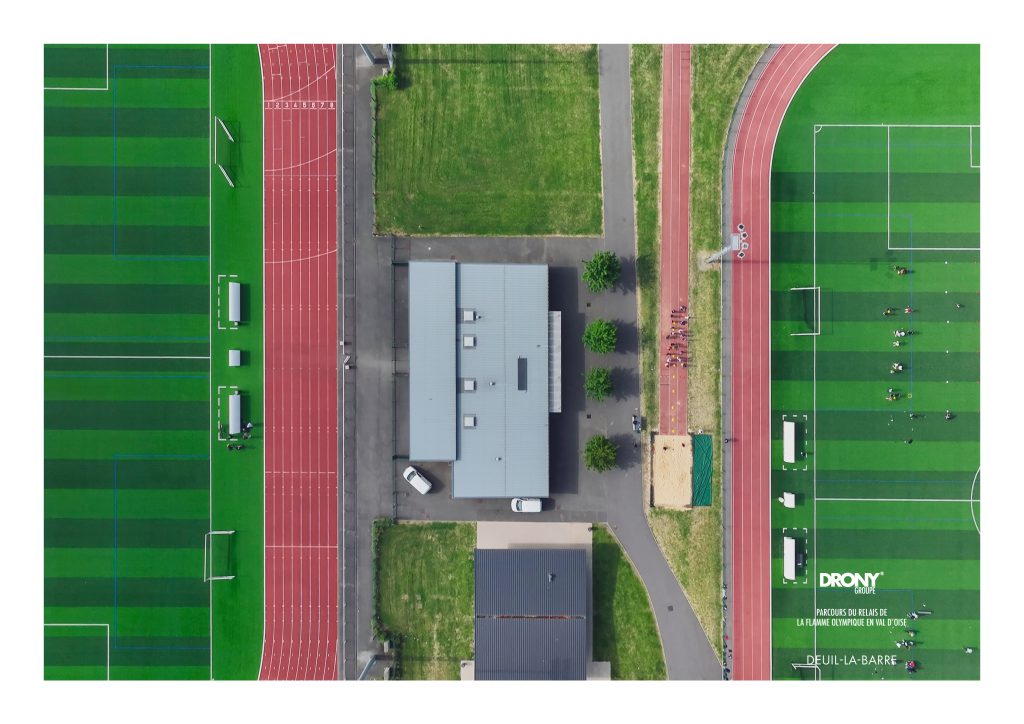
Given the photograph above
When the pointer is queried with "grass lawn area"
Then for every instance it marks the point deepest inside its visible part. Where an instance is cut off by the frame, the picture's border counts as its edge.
(424, 595)
(624, 630)
(490, 140)
(645, 76)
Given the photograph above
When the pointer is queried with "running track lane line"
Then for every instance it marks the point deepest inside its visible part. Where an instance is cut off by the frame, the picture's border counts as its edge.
(675, 232)
(750, 446)
(301, 481)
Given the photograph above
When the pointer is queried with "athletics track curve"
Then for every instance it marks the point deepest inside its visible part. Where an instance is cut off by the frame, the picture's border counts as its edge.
(750, 441)
(300, 639)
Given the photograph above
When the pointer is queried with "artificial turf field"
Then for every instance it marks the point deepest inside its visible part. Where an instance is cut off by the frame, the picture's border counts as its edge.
(877, 164)
(135, 236)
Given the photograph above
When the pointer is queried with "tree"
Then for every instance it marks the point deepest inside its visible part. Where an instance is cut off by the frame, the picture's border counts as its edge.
(599, 383)
(600, 336)
(602, 271)
(600, 454)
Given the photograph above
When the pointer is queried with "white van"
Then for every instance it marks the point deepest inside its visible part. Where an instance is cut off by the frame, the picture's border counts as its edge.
(416, 480)
(527, 505)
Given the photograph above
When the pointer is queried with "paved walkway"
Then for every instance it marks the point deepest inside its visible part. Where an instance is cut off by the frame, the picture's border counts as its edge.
(675, 237)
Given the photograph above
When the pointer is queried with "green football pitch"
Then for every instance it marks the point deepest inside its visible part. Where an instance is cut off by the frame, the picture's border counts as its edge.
(877, 167)
(137, 232)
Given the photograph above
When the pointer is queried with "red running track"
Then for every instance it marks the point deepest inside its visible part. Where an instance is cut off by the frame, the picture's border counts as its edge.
(675, 236)
(300, 639)
(750, 442)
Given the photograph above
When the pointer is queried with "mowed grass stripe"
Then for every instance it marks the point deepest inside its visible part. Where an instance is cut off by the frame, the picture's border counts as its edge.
(956, 604)
(954, 337)
(145, 240)
(126, 181)
(74, 61)
(96, 269)
(139, 328)
(186, 622)
(124, 414)
(864, 366)
(157, 474)
(940, 634)
(932, 150)
(128, 592)
(128, 210)
(930, 273)
(874, 455)
(126, 122)
(131, 562)
(168, 504)
(122, 366)
(152, 389)
(931, 584)
(877, 186)
(939, 665)
(935, 484)
(794, 247)
(876, 515)
(105, 444)
(861, 306)
(851, 396)
(135, 88)
(132, 151)
(130, 298)
(887, 425)
(113, 348)
(130, 533)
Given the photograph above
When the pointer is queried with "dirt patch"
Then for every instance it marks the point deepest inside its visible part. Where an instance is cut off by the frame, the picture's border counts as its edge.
(673, 471)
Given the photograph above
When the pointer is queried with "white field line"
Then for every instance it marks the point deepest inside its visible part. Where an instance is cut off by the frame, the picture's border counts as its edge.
(974, 483)
(88, 625)
(970, 146)
(209, 252)
(901, 500)
(118, 356)
(106, 84)
(814, 373)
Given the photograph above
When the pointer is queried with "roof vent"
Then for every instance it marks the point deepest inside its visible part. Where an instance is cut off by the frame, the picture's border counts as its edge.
(469, 384)
(469, 421)
(468, 315)
(469, 341)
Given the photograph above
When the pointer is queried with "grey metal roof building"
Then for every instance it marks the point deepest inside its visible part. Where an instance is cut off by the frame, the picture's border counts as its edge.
(484, 374)
(531, 614)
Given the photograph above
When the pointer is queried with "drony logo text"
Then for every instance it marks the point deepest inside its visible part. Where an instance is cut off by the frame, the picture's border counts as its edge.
(849, 580)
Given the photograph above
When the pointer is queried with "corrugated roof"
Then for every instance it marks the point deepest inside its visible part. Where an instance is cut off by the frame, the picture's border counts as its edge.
(432, 346)
(531, 582)
(530, 649)
(506, 454)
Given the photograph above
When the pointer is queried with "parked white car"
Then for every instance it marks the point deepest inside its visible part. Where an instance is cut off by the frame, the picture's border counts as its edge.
(416, 480)
(527, 505)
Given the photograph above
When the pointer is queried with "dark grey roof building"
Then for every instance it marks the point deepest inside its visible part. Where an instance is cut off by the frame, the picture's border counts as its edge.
(531, 614)
(484, 374)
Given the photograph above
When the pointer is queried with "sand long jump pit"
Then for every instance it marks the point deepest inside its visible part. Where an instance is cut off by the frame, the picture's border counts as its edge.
(673, 472)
